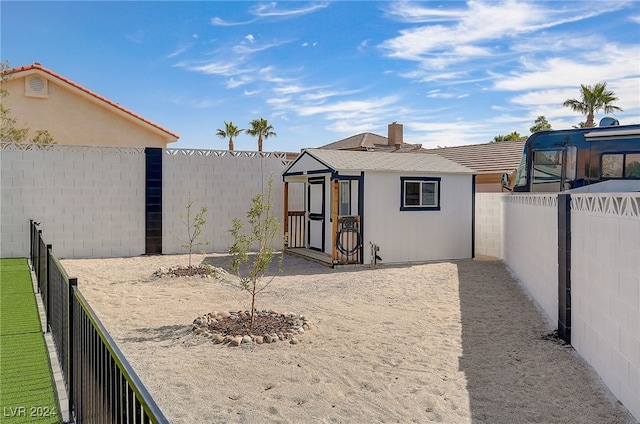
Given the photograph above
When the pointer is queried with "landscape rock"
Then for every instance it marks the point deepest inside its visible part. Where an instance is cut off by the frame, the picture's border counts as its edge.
(232, 328)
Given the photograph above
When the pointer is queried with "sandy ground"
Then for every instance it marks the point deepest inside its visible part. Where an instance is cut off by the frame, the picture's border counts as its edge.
(450, 342)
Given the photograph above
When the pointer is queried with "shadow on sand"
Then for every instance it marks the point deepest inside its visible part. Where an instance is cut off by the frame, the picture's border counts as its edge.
(514, 373)
(291, 266)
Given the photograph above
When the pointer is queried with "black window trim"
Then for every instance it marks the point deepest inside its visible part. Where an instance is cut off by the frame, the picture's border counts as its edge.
(436, 180)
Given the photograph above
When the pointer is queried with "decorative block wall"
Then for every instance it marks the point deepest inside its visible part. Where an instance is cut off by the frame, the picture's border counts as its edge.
(605, 289)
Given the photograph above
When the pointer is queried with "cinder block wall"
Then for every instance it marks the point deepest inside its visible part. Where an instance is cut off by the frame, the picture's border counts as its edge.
(530, 246)
(605, 290)
(225, 185)
(489, 224)
(90, 202)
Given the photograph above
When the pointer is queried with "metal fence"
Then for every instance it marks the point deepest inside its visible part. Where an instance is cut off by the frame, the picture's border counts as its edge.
(101, 385)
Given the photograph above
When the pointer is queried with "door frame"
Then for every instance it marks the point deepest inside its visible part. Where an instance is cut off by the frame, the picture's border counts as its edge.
(315, 217)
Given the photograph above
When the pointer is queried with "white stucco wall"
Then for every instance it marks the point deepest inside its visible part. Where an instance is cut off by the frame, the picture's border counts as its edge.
(408, 236)
(605, 289)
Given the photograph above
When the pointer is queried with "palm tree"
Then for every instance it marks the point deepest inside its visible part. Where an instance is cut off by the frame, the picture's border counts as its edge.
(229, 132)
(261, 129)
(592, 100)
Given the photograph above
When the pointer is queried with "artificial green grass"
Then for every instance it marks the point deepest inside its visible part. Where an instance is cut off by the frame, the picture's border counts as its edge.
(27, 392)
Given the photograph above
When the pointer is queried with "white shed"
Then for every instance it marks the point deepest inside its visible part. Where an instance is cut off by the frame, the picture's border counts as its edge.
(400, 207)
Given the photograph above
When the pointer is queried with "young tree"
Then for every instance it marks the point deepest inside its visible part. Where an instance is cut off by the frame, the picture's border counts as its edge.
(194, 228)
(263, 231)
(230, 131)
(540, 124)
(593, 99)
(260, 128)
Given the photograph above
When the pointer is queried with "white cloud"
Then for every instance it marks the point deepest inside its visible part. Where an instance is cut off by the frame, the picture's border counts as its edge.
(347, 109)
(250, 46)
(271, 9)
(238, 81)
(545, 97)
(473, 31)
(178, 51)
(217, 68)
(322, 95)
(412, 12)
(437, 94)
(290, 89)
(278, 101)
(608, 65)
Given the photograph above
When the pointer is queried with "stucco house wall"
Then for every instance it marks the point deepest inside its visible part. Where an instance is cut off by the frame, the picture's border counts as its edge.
(74, 115)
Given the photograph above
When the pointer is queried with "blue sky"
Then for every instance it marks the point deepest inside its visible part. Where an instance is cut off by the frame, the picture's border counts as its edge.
(452, 72)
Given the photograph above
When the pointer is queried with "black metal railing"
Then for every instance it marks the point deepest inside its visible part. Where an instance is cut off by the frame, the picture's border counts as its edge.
(101, 385)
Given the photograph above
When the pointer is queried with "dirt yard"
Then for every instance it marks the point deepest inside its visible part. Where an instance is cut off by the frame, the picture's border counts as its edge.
(450, 342)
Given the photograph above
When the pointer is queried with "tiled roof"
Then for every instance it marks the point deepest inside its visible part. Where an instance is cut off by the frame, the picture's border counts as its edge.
(495, 157)
(502, 156)
(346, 160)
(369, 140)
(38, 67)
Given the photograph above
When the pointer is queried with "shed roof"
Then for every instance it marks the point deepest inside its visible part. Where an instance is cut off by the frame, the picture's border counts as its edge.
(36, 67)
(345, 161)
(498, 157)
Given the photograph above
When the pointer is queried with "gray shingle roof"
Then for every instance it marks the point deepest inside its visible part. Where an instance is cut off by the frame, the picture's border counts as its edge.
(344, 160)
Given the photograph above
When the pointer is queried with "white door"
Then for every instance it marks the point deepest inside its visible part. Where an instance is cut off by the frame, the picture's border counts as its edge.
(315, 214)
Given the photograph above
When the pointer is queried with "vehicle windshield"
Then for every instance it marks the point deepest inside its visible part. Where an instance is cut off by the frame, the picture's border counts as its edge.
(521, 176)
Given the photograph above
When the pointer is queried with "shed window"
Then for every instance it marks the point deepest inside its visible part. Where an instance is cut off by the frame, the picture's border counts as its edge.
(419, 193)
(345, 198)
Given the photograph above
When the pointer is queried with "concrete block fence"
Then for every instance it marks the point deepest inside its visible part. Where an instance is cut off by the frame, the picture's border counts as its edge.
(93, 202)
(530, 249)
(224, 184)
(585, 277)
(89, 200)
(605, 289)
(488, 216)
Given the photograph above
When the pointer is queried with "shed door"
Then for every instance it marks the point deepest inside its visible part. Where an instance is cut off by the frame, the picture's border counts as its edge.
(315, 214)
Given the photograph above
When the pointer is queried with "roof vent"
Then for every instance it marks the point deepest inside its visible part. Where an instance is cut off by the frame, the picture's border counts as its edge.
(608, 121)
(36, 86)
